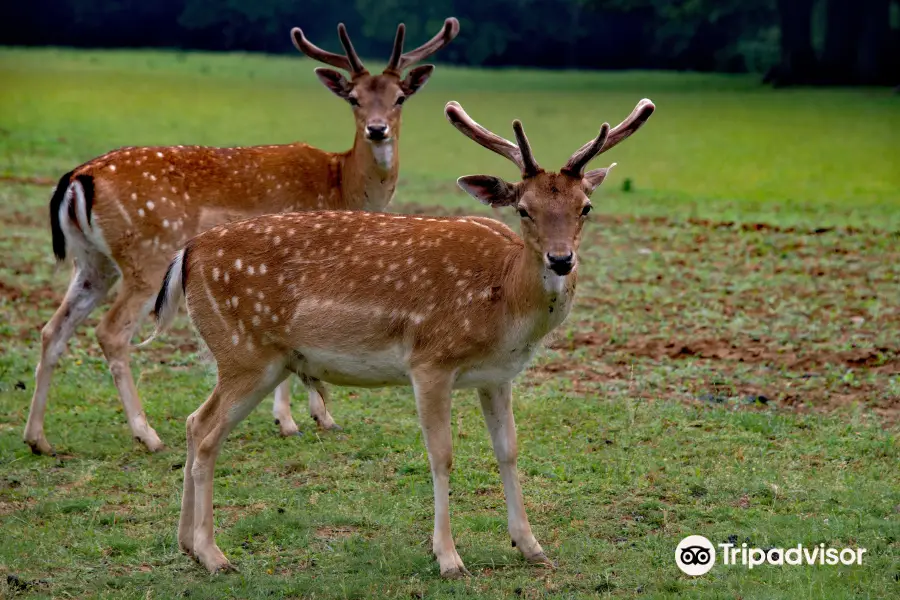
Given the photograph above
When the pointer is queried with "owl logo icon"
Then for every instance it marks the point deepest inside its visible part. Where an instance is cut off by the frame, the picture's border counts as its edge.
(695, 555)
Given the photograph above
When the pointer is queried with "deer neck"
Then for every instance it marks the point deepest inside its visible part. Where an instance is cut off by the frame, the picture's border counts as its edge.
(539, 301)
(369, 174)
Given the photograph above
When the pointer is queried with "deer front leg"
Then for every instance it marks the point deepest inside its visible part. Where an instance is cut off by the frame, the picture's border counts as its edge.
(237, 392)
(496, 405)
(432, 391)
(281, 410)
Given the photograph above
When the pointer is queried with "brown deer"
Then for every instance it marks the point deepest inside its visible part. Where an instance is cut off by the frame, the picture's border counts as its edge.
(370, 299)
(123, 215)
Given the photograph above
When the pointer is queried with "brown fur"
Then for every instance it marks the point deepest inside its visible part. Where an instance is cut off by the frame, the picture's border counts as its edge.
(370, 299)
(149, 201)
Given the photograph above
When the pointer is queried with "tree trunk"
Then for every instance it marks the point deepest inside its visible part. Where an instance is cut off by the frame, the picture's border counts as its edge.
(798, 61)
(844, 19)
(877, 62)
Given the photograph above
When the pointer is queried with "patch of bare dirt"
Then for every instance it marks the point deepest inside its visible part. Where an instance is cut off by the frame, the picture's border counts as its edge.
(27, 180)
(739, 349)
(41, 296)
(334, 533)
(33, 219)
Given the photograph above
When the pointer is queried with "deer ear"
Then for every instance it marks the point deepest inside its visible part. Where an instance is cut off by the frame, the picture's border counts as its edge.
(334, 81)
(593, 178)
(416, 79)
(492, 191)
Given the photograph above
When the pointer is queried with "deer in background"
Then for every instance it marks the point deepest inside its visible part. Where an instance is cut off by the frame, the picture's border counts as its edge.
(370, 299)
(122, 215)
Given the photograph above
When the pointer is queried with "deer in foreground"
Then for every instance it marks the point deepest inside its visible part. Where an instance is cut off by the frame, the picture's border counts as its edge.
(123, 214)
(370, 299)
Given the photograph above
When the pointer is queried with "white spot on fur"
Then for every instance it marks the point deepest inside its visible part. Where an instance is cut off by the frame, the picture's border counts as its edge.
(150, 205)
(165, 223)
(159, 154)
(250, 269)
(238, 264)
(220, 252)
(262, 269)
(235, 339)
(234, 299)
(215, 273)
(141, 212)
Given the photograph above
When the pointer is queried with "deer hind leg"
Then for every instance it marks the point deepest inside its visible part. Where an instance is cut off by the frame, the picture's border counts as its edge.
(91, 279)
(281, 410)
(496, 405)
(318, 399)
(115, 332)
(235, 395)
(432, 389)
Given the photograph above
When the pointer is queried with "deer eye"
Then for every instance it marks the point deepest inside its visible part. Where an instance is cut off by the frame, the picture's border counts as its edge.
(524, 213)
(584, 211)
(353, 100)
(400, 100)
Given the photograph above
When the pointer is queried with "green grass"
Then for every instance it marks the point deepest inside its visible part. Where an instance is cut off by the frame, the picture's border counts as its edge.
(634, 425)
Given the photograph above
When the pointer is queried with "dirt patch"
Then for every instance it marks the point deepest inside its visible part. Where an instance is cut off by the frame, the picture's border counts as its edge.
(27, 180)
(335, 533)
(738, 349)
(31, 219)
(35, 296)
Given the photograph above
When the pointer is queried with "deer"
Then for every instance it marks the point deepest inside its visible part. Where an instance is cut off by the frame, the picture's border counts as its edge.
(123, 215)
(370, 299)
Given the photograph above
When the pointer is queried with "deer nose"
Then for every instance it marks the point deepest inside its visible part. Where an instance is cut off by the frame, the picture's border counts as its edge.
(561, 264)
(377, 131)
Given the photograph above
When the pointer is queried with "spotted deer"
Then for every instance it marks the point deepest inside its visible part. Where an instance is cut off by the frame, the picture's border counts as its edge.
(371, 299)
(122, 215)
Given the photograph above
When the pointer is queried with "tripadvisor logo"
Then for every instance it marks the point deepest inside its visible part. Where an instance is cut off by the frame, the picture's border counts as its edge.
(696, 555)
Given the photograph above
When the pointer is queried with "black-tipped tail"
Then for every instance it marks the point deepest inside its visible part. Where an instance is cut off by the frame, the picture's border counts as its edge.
(170, 294)
(59, 239)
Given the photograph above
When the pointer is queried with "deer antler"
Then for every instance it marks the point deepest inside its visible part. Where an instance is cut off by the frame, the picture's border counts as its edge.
(399, 62)
(350, 62)
(520, 154)
(576, 164)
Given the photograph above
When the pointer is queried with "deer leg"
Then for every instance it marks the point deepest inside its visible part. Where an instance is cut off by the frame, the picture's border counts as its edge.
(496, 405)
(186, 519)
(281, 410)
(87, 288)
(234, 397)
(115, 332)
(432, 391)
(318, 397)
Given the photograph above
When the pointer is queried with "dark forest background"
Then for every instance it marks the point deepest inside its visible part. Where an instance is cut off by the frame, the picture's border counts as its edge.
(833, 42)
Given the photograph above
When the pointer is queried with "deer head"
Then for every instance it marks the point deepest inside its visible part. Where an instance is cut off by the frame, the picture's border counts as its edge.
(376, 99)
(553, 206)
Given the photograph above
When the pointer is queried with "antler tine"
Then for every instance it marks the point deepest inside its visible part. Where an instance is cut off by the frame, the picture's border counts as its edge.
(576, 164)
(311, 50)
(530, 167)
(632, 123)
(356, 66)
(617, 134)
(444, 37)
(475, 132)
(397, 54)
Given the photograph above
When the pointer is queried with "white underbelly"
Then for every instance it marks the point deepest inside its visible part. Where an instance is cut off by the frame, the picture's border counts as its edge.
(373, 368)
(497, 370)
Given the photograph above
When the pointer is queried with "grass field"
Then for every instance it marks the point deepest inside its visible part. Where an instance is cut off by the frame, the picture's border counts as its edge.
(731, 368)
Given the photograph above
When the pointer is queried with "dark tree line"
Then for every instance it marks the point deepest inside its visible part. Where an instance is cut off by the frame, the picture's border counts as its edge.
(791, 41)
